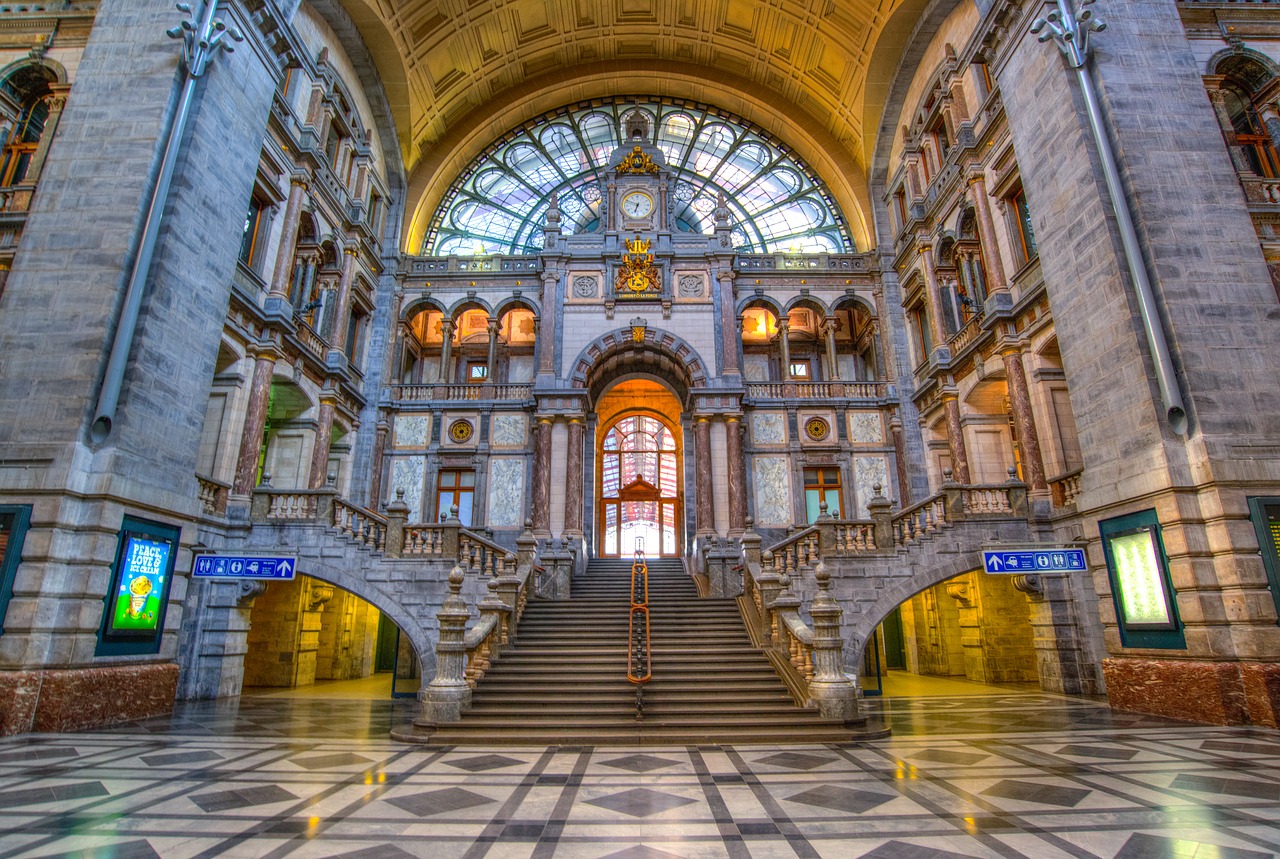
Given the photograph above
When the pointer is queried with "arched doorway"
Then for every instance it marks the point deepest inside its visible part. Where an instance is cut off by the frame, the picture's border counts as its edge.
(640, 489)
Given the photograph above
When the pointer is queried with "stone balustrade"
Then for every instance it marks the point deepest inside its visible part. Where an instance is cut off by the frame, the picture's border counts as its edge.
(1066, 488)
(817, 390)
(460, 393)
(213, 495)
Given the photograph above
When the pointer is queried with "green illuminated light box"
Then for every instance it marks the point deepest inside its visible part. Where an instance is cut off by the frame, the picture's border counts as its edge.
(135, 603)
(1146, 607)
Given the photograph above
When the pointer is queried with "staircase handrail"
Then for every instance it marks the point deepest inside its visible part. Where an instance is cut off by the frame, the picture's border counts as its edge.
(639, 647)
(359, 524)
(798, 551)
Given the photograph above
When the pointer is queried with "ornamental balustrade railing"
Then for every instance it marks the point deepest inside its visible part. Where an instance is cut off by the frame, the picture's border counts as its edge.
(429, 392)
(213, 495)
(809, 659)
(1066, 488)
(817, 390)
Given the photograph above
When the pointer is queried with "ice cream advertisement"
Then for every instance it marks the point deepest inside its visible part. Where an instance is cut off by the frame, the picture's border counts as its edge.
(135, 607)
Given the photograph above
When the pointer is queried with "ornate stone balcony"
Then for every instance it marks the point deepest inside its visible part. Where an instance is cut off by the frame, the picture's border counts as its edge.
(460, 393)
(817, 390)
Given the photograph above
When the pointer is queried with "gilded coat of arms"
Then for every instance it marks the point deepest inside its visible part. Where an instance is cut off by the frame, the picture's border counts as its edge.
(638, 275)
(637, 161)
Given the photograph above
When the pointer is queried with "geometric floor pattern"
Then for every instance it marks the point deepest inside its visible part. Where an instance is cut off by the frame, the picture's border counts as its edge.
(983, 776)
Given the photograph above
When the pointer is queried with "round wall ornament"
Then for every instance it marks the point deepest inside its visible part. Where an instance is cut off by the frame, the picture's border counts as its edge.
(817, 428)
(460, 431)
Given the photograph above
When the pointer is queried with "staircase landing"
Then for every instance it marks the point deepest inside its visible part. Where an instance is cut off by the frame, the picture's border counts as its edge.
(565, 681)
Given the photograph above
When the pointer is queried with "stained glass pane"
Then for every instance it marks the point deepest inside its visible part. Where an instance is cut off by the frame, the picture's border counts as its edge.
(500, 202)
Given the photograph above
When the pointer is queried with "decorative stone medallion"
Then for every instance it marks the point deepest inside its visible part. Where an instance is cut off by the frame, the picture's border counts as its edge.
(690, 285)
(584, 287)
(460, 431)
(817, 429)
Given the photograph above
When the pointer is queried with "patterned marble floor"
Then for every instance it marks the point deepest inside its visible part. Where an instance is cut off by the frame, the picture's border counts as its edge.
(1012, 774)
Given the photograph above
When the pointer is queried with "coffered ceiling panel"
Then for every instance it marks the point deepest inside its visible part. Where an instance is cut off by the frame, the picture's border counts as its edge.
(461, 60)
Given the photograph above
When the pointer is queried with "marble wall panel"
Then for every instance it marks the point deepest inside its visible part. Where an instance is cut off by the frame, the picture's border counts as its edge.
(508, 431)
(769, 428)
(866, 428)
(413, 430)
(867, 472)
(408, 473)
(773, 490)
(755, 368)
(506, 492)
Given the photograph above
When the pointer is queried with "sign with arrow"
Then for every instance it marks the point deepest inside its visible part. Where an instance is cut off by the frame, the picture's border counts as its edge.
(243, 567)
(1023, 561)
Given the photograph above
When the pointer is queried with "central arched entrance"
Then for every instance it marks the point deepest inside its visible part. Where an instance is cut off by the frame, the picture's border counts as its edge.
(639, 457)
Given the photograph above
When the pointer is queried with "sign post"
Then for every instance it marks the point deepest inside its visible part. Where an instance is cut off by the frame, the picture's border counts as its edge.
(244, 567)
(1023, 561)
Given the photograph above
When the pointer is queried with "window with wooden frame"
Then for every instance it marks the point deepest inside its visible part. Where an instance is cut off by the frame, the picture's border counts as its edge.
(1025, 234)
(456, 486)
(28, 88)
(253, 223)
(920, 330)
(822, 484)
(477, 371)
(900, 200)
(801, 370)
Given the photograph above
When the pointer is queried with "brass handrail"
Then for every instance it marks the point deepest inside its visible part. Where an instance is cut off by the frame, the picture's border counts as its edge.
(639, 654)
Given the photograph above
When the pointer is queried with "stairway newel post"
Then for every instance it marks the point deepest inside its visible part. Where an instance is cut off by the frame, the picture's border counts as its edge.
(448, 696)
(769, 583)
(397, 518)
(830, 689)
(508, 588)
(880, 510)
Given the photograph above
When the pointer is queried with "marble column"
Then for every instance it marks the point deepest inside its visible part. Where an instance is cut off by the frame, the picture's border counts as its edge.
(540, 501)
(955, 438)
(288, 238)
(319, 475)
(342, 304)
(547, 325)
(255, 420)
(737, 485)
(933, 297)
(900, 462)
(784, 347)
(573, 477)
(705, 520)
(833, 361)
(494, 328)
(729, 326)
(379, 454)
(991, 263)
(1023, 418)
(445, 373)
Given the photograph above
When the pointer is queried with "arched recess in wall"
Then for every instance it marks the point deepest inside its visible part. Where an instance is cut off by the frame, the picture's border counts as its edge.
(654, 352)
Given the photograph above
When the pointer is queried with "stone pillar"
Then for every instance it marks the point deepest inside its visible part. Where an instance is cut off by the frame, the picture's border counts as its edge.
(900, 461)
(987, 235)
(1023, 419)
(541, 496)
(57, 102)
(729, 328)
(955, 438)
(342, 305)
(784, 347)
(573, 477)
(547, 325)
(494, 327)
(445, 373)
(705, 520)
(933, 298)
(448, 696)
(737, 484)
(830, 689)
(833, 362)
(1062, 664)
(319, 475)
(379, 453)
(288, 239)
(255, 420)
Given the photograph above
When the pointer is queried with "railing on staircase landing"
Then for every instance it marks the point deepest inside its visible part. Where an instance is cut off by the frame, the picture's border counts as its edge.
(639, 651)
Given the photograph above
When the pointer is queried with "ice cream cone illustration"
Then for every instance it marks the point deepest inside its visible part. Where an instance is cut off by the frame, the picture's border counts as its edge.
(139, 590)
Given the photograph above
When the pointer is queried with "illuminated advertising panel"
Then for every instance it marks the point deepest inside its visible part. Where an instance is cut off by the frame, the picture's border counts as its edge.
(1146, 608)
(139, 593)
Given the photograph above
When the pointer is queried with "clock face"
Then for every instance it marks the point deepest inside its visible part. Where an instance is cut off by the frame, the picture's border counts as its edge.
(637, 204)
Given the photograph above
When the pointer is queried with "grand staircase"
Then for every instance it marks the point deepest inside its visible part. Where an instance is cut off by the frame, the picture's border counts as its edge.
(565, 681)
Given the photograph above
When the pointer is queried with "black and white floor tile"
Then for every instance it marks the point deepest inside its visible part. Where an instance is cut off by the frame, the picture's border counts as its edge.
(985, 776)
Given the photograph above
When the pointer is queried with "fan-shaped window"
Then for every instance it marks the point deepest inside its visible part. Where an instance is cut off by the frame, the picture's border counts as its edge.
(1244, 77)
(500, 202)
(27, 90)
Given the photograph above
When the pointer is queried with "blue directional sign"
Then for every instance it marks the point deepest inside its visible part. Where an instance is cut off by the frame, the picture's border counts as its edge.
(241, 567)
(1034, 561)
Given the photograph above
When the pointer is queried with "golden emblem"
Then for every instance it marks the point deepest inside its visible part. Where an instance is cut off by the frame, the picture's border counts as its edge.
(636, 161)
(460, 431)
(637, 274)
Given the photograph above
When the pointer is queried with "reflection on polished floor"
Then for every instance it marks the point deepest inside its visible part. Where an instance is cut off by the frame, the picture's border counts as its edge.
(998, 775)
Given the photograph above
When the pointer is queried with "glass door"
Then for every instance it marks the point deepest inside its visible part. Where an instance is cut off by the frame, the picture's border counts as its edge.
(640, 488)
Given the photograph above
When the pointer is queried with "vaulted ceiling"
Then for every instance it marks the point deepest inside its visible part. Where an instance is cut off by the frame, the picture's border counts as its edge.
(459, 73)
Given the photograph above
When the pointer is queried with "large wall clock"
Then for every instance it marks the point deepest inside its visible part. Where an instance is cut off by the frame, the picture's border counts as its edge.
(637, 204)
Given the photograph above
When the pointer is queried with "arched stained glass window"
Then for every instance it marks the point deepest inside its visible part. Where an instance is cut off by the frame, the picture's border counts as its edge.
(499, 204)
